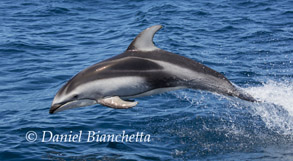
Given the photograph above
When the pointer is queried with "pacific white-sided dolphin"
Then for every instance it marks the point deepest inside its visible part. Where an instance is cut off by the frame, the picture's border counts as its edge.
(143, 69)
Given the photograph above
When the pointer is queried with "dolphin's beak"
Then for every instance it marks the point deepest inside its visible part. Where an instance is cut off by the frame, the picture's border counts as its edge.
(71, 104)
(54, 108)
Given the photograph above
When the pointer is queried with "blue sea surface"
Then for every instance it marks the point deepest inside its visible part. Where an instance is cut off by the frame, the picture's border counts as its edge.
(45, 43)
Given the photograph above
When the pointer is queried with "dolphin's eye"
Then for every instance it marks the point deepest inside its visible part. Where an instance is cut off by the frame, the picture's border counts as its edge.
(75, 96)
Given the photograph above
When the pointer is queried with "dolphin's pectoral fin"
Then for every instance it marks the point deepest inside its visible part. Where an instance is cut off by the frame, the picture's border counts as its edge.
(116, 102)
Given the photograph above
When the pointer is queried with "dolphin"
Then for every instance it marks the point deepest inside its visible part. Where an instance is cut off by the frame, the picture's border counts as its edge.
(142, 70)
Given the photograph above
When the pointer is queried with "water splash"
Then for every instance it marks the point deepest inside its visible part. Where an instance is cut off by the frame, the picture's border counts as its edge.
(278, 93)
(277, 107)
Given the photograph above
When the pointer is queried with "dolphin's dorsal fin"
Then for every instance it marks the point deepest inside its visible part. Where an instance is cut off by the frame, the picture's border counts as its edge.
(144, 41)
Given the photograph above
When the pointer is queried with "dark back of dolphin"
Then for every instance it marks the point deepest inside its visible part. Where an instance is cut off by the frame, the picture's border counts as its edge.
(137, 63)
(187, 63)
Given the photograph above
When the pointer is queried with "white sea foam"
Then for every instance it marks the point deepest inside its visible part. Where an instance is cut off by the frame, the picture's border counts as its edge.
(278, 93)
(277, 108)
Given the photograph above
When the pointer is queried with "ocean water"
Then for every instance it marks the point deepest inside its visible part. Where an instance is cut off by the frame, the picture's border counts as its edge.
(44, 43)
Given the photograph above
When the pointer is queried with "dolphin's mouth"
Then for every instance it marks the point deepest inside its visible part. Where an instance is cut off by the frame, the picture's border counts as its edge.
(54, 108)
(72, 104)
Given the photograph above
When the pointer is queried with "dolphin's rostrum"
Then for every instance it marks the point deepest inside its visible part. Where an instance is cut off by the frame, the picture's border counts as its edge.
(143, 69)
